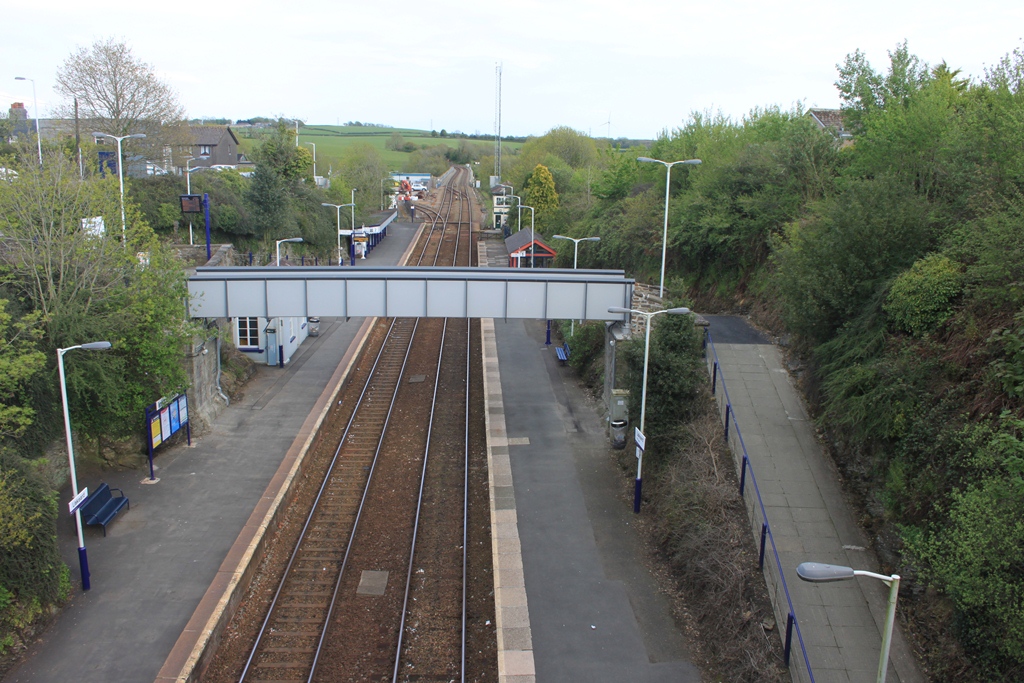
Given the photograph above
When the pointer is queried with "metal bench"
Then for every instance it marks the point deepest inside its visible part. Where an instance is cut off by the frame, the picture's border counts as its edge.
(562, 352)
(101, 506)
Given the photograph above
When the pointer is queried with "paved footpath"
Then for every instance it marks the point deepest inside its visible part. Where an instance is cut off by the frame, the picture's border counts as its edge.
(153, 568)
(810, 519)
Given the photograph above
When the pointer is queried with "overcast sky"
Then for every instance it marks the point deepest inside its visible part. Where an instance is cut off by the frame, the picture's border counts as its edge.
(645, 66)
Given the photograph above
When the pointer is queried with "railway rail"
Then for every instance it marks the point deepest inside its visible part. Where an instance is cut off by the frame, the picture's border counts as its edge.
(382, 582)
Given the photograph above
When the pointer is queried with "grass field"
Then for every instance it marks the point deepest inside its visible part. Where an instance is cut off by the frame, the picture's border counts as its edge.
(331, 142)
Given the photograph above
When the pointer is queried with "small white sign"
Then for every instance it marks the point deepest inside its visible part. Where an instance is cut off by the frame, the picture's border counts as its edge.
(78, 501)
(639, 437)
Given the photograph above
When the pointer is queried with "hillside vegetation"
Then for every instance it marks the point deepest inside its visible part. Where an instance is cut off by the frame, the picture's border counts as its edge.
(893, 259)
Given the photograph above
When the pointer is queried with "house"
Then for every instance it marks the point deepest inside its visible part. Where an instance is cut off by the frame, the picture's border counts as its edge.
(832, 121)
(528, 250)
(214, 146)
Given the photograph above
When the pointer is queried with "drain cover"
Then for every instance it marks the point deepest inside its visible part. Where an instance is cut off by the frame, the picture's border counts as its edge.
(372, 583)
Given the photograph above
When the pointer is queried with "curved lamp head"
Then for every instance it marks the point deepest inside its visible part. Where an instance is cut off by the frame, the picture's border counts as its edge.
(96, 346)
(817, 572)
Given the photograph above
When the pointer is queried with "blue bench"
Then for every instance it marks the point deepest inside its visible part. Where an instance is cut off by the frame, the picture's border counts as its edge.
(101, 506)
(562, 352)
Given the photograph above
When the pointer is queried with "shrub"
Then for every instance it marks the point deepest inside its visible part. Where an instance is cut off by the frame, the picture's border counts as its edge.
(977, 555)
(920, 298)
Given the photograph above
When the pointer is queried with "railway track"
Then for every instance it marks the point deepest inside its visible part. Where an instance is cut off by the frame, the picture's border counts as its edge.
(380, 584)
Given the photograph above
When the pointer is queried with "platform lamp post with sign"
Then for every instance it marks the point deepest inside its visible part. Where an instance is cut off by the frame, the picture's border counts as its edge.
(120, 174)
(338, 208)
(78, 499)
(641, 436)
(575, 256)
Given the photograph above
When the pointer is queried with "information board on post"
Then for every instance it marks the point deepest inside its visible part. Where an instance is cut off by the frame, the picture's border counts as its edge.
(641, 441)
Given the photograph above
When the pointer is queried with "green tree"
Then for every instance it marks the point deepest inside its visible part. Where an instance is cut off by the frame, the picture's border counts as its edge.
(541, 195)
(86, 286)
(20, 361)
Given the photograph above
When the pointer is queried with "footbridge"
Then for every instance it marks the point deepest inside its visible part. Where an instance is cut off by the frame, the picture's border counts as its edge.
(426, 292)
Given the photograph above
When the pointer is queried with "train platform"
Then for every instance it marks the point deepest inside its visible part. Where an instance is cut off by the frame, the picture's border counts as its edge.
(163, 561)
(574, 600)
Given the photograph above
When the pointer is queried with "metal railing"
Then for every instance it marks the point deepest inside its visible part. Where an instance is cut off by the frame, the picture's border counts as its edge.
(760, 526)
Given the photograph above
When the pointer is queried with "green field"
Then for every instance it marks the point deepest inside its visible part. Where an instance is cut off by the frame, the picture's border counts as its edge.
(331, 142)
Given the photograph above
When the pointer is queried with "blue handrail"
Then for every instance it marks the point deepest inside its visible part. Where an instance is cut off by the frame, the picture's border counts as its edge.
(766, 530)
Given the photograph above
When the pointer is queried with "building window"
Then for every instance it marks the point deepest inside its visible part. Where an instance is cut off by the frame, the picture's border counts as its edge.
(248, 332)
(204, 150)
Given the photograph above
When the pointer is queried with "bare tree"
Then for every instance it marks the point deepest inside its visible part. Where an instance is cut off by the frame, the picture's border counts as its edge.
(120, 94)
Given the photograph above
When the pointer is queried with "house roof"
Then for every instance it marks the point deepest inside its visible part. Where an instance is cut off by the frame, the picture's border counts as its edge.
(518, 241)
(210, 135)
(829, 118)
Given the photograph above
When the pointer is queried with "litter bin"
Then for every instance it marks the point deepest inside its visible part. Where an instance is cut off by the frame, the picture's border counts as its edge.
(314, 327)
(619, 433)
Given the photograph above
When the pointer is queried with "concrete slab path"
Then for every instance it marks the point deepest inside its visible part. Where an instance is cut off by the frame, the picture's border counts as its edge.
(809, 517)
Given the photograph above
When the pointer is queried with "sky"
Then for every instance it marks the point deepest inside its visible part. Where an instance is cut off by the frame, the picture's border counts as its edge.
(624, 68)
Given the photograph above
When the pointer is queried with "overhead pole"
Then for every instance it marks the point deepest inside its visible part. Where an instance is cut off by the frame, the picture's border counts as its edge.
(497, 120)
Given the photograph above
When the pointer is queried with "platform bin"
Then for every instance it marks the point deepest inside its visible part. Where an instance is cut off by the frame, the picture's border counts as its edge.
(314, 327)
(618, 433)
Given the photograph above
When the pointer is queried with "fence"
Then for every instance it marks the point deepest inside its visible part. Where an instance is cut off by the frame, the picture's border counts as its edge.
(760, 526)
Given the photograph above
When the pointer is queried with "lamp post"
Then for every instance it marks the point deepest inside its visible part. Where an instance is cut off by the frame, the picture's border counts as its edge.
(313, 145)
(518, 206)
(533, 236)
(339, 207)
(643, 393)
(290, 239)
(120, 174)
(575, 255)
(188, 190)
(664, 238)
(83, 560)
(35, 105)
(352, 203)
(816, 572)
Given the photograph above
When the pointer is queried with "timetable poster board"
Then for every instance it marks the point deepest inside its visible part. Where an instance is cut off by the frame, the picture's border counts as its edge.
(165, 423)
(173, 410)
(155, 433)
(166, 417)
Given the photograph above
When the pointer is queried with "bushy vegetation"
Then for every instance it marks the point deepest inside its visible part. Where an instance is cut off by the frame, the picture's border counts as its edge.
(893, 254)
(62, 286)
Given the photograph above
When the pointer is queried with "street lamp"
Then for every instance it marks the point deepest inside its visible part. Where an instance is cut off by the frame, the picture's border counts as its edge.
(816, 572)
(35, 105)
(533, 247)
(120, 173)
(643, 393)
(575, 254)
(339, 208)
(83, 560)
(188, 190)
(290, 239)
(313, 145)
(668, 176)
